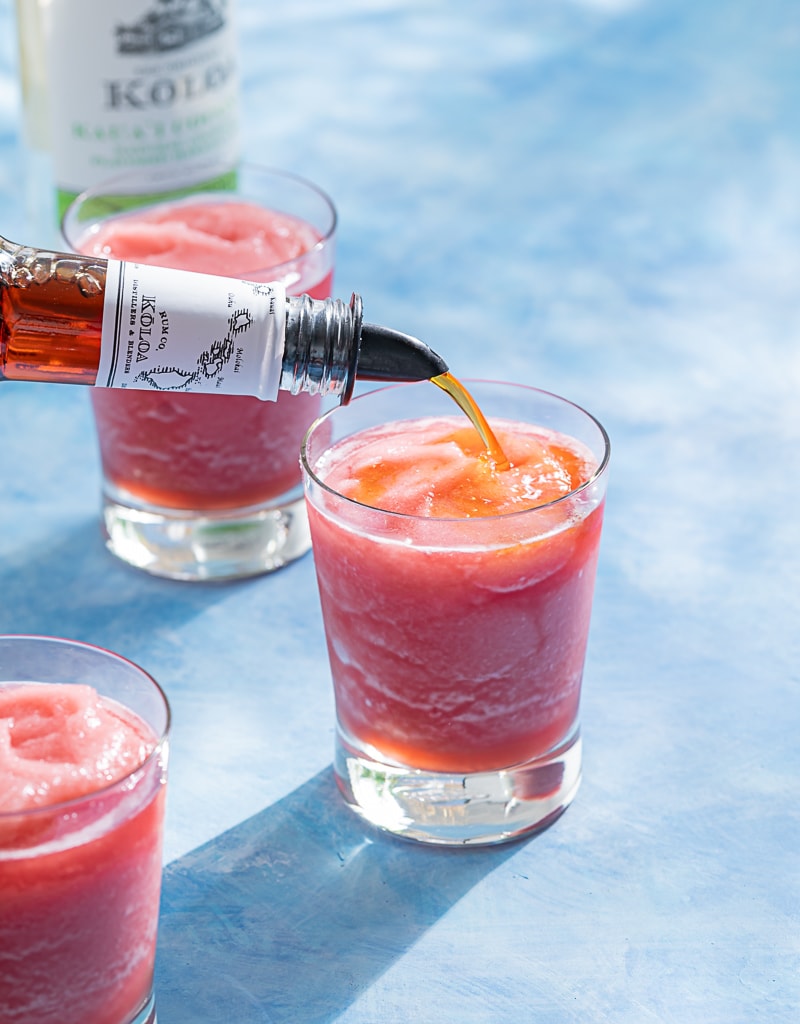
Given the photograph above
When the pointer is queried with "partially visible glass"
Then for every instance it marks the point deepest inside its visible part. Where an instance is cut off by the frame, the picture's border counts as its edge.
(80, 877)
(456, 644)
(201, 487)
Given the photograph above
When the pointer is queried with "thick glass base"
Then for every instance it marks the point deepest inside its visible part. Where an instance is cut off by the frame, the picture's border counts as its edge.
(478, 809)
(196, 547)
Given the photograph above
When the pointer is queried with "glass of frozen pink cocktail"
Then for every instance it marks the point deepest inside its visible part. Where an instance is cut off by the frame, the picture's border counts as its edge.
(203, 487)
(456, 596)
(83, 764)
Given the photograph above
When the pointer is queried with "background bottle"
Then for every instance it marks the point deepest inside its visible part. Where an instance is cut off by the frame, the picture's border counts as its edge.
(114, 85)
(40, 202)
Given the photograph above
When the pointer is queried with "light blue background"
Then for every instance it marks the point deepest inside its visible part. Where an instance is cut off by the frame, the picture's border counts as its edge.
(596, 197)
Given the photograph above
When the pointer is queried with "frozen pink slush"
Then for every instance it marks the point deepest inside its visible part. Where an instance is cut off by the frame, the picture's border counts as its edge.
(456, 628)
(81, 811)
(204, 452)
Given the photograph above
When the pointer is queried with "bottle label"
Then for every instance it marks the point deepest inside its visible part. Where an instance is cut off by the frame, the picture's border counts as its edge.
(139, 84)
(163, 332)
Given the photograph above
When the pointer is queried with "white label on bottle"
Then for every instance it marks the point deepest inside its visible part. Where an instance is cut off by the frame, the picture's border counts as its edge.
(170, 331)
(139, 84)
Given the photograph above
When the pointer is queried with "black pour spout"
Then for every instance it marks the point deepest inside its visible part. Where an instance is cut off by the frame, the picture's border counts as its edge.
(390, 355)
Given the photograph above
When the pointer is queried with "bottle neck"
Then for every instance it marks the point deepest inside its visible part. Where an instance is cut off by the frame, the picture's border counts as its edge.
(322, 344)
(328, 346)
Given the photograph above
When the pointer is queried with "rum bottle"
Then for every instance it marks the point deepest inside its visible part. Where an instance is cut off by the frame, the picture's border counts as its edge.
(73, 319)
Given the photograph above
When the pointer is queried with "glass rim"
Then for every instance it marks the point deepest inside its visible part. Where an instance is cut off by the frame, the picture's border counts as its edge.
(504, 516)
(61, 805)
(172, 193)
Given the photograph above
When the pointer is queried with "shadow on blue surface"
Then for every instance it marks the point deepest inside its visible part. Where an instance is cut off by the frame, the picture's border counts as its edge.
(84, 593)
(292, 914)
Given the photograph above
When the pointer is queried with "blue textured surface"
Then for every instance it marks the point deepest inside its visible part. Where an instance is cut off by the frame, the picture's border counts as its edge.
(600, 198)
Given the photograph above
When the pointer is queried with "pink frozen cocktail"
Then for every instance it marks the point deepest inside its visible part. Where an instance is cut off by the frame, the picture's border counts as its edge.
(81, 818)
(456, 595)
(205, 452)
(176, 466)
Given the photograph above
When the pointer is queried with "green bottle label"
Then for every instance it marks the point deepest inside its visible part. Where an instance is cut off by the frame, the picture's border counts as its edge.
(154, 86)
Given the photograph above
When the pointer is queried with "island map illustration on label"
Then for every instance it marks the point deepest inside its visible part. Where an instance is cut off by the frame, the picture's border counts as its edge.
(212, 361)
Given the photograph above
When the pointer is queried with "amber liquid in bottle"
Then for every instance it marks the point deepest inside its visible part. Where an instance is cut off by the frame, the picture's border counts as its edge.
(447, 382)
(51, 315)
